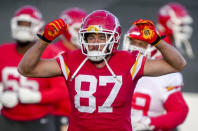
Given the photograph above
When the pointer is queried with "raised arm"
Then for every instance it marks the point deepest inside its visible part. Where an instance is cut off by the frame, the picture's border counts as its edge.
(172, 60)
(31, 65)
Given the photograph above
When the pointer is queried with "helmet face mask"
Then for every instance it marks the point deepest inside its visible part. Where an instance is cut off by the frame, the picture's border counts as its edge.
(26, 23)
(101, 50)
(100, 22)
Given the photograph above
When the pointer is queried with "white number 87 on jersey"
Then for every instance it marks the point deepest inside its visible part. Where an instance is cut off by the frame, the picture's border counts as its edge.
(103, 80)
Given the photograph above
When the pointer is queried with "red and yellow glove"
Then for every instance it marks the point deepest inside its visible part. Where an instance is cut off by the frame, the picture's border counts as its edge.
(53, 30)
(148, 32)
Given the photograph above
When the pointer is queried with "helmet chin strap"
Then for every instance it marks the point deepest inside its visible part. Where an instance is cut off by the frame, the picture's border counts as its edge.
(106, 63)
(111, 71)
(79, 67)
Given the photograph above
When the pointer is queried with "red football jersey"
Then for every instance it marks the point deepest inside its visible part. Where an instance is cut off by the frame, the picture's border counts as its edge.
(62, 107)
(12, 80)
(98, 100)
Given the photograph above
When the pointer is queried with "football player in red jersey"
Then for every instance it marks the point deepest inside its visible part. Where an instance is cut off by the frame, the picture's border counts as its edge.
(100, 79)
(27, 102)
(68, 42)
(176, 23)
(157, 103)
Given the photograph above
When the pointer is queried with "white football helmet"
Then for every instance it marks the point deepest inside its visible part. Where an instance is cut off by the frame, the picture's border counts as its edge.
(26, 33)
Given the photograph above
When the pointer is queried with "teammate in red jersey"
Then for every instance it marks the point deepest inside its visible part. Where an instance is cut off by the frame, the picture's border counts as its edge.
(27, 102)
(100, 79)
(157, 102)
(68, 42)
(176, 23)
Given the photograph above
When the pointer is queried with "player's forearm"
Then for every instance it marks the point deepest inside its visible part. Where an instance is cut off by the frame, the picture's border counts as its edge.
(171, 120)
(172, 56)
(31, 58)
(177, 110)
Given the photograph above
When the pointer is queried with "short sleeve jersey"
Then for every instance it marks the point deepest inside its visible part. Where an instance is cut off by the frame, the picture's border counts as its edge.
(100, 102)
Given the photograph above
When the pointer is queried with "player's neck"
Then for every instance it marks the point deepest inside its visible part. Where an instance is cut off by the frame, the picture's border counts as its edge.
(23, 47)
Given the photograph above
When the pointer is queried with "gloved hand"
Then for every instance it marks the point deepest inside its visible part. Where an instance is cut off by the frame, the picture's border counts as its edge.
(142, 124)
(29, 96)
(9, 99)
(53, 30)
(148, 31)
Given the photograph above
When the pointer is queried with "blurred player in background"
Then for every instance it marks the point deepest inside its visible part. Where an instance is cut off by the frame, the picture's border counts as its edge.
(27, 102)
(100, 79)
(175, 22)
(68, 42)
(157, 102)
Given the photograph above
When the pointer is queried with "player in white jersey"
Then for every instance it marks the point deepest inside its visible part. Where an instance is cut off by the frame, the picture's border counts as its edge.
(157, 102)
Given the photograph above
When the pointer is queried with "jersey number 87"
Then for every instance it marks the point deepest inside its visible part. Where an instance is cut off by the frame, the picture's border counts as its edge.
(103, 80)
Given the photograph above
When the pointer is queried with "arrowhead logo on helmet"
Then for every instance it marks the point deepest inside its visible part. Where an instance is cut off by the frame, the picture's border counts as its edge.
(94, 28)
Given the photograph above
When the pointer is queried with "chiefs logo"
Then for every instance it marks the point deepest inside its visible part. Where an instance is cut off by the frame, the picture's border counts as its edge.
(148, 33)
(93, 28)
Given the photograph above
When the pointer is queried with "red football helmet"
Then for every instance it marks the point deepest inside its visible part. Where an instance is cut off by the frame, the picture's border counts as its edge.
(73, 17)
(100, 21)
(175, 21)
(30, 15)
(135, 33)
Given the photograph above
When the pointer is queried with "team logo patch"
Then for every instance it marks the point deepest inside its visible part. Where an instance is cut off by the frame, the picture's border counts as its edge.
(147, 33)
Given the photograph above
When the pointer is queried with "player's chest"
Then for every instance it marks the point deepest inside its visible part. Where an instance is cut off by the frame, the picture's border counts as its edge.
(100, 93)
